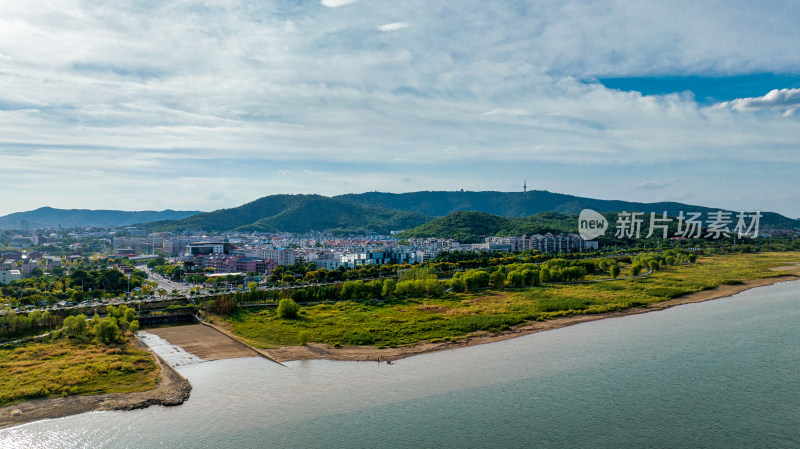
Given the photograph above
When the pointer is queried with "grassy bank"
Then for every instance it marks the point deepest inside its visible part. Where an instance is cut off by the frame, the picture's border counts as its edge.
(63, 367)
(408, 321)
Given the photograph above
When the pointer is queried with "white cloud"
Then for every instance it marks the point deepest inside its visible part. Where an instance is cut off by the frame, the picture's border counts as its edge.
(652, 185)
(336, 3)
(393, 26)
(512, 112)
(776, 98)
(187, 85)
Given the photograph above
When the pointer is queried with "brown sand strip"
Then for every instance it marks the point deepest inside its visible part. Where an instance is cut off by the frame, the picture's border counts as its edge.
(792, 267)
(369, 353)
(204, 342)
(243, 341)
(172, 389)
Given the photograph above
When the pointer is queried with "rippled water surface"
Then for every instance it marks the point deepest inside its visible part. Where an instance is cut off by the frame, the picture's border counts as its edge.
(723, 373)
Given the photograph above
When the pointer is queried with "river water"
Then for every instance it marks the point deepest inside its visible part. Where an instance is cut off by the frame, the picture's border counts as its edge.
(723, 373)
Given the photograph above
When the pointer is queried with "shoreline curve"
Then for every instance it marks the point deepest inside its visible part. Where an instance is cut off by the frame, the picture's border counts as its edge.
(172, 389)
(317, 351)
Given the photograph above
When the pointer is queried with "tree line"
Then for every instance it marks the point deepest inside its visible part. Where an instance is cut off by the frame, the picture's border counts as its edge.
(79, 285)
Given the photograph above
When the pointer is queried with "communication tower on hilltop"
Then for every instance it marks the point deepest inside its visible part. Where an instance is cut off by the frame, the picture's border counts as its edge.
(525, 186)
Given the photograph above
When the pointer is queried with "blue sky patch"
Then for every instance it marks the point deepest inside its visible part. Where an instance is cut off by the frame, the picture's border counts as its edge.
(706, 89)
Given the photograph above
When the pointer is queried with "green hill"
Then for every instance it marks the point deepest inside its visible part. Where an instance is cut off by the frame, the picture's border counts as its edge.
(298, 213)
(519, 204)
(46, 217)
(471, 227)
(492, 213)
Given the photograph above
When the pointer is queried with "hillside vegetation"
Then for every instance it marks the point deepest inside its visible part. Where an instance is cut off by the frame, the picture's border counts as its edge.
(519, 204)
(297, 213)
(469, 227)
(384, 212)
(50, 217)
(452, 316)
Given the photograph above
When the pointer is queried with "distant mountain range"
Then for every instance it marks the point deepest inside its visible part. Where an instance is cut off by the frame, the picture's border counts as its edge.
(525, 204)
(46, 217)
(491, 213)
(298, 213)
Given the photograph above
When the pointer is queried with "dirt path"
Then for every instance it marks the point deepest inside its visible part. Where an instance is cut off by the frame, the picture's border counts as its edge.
(369, 353)
(172, 389)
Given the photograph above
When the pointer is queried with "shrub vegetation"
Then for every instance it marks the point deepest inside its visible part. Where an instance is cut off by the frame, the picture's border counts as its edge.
(414, 313)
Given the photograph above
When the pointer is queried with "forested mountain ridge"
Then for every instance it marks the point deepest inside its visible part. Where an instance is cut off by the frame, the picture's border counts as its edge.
(46, 217)
(297, 213)
(526, 204)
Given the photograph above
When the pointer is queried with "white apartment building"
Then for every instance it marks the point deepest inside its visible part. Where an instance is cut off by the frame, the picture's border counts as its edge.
(7, 276)
(547, 243)
(283, 256)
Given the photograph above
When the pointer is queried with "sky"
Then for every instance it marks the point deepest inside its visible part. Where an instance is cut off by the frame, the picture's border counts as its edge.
(200, 105)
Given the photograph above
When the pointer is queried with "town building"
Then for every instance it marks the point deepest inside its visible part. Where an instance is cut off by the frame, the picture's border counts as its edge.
(124, 252)
(176, 246)
(283, 256)
(207, 248)
(547, 243)
(226, 263)
(386, 257)
(7, 276)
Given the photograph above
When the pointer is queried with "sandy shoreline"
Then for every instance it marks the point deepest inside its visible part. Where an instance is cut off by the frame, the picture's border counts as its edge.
(172, 389)
(204, 341)
(313, 351)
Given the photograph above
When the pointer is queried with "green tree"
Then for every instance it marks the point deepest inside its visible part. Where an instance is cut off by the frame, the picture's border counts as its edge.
(457, 285)
(388, 288)
(123, 324)
(544, 275)
(287, 279)
(416, 273)
(614, 271)
(156, 262)
(497, 279)
(288, 309)
(516, 278)
(107, 331)
(75, 325)
(527, 276)
(434, 288)
(129, 313)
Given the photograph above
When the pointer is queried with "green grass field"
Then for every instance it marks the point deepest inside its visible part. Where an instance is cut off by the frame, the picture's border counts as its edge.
(62, 368)
(409, 321)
